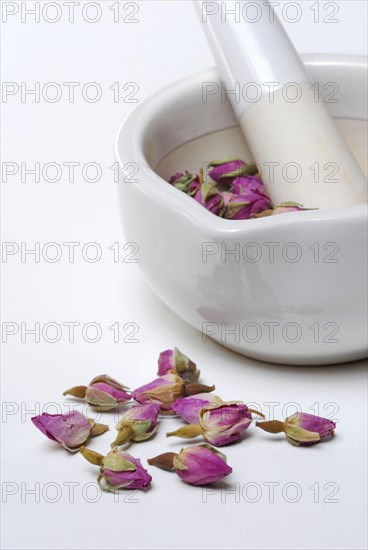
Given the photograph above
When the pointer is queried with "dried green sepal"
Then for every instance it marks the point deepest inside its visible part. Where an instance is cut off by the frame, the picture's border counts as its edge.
(271, 426)
(194, 388)
(77, 391)
(117, 463)
(164, 461)
(125, 434)
(92, 456)
(100, 400)
(98, 429)
(189, 431)
(179, 464)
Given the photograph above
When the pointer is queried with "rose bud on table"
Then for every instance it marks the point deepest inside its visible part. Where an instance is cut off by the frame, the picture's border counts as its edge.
(188, 408)
(70, 430)
(166, 389)
(219, 425)
(138, 423)
(196, 465)
(118, 470)
(103, 393)
(301, 429)
(172, 361)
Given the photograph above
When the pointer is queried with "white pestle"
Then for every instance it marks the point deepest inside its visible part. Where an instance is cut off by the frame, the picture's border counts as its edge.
(293, 138)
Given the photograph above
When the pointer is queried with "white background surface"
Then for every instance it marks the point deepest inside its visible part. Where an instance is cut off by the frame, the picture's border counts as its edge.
(164, 45)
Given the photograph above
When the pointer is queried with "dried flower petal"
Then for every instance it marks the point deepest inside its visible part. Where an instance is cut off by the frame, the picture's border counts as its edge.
(71, 430)
(188, 408)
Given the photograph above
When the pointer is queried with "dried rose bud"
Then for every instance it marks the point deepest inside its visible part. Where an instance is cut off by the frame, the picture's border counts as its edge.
(163, 391)
(175, 177)
(195, 186)
(301, 429)
(286, 207)
(188, 408)
(166, 389)
(224, 171)
(118, 470)
(227, 196)
(70, 430)
(243, 207)
(210, 197)
(197, 465)
(103, 393)
(175, 362)
(248, 184)
(219, 425)
(138, 423)
(182, 181)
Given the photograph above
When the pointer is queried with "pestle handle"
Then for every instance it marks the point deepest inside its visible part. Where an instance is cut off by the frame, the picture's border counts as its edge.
(299, 151)
(259, 52)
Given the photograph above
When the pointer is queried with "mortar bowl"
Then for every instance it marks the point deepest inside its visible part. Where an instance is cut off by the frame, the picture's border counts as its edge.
(288, 289)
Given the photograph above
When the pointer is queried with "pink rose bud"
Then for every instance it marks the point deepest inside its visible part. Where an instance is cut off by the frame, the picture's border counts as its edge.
(138, 423)
(286, 207)
(118, 470)
(175, 362)
(243, 207)
(175, 177)
(188, 408)
(182, 181)
(70, 430)
(248, 184)
(103, 393)
(166, 389)
(163, 391)
(219, 425)
(196, 465)
(194, 186)
(210, 197)
(227, 196)
(225, 171)
(301, 429)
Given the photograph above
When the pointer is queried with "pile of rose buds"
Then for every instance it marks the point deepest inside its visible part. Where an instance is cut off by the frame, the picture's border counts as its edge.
(175, 391)
(235, 192)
